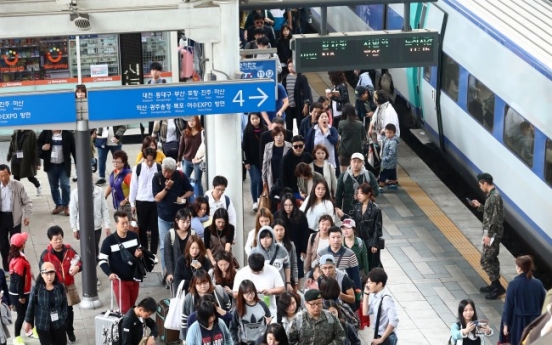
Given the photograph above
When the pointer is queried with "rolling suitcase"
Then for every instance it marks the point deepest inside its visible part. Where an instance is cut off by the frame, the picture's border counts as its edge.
(107, 324)
(168, 336)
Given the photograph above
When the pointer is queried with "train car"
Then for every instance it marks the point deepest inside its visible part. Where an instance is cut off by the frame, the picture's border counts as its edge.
(485, 105)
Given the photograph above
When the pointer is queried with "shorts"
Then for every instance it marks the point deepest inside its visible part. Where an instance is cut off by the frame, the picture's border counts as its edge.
(388, 175)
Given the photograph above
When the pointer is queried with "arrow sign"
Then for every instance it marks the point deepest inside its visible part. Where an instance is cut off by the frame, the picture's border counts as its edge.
(263, 97)
(177, 100)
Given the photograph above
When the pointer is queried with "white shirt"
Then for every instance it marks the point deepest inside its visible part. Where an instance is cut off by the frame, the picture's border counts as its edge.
(171, 131)
(6, 197)
(269, 278)
(314, 213)
(221, 203)
(384, 115)
(388, 315)
(140, 186)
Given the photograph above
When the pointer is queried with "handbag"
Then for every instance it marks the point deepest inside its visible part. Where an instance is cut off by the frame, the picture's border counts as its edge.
(73, 297)
(171, 148)
(173, 317)
(264, 200)
(148, 260)
(100, 142)
(145, 336)
(381, 243)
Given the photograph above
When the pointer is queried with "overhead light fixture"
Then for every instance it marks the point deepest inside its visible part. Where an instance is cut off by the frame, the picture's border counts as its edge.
(81, 21)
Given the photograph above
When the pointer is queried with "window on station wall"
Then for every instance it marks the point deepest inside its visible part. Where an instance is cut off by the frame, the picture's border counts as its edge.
(155, 48)
(450, 77)
(427, 73)
(481, 103)
(519, 135)
(32, 59)
(99, 55)
(548, 162)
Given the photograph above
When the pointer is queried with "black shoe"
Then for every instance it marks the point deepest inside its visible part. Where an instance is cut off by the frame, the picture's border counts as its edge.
(95, 166)
(488, 288)
(100, 182)
(71, 336)
(496, 293)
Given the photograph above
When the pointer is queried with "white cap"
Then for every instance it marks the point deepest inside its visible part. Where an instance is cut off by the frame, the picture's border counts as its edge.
(357, 156)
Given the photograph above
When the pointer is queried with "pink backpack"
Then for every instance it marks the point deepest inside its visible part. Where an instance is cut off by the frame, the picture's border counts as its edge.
(186, 62)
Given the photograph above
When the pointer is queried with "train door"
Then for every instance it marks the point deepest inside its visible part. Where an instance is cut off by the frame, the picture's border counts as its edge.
(433, 18)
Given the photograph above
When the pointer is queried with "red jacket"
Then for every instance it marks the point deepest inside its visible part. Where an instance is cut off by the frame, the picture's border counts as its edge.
(62, 268)
(21, 283)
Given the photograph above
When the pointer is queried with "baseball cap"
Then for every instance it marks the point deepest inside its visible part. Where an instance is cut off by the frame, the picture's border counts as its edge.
(327, 259)
(360, 90)
(312, 295)
(357, 156)
(48, 270)
(18, 239)
(348, 223)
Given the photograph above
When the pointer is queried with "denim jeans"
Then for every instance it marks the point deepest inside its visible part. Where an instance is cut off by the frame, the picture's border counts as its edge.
(57, 177)
(256, 182)
(102, 157)
(188, 167)
(164, 227)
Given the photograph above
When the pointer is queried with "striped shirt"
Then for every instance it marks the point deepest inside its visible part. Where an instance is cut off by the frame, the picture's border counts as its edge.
(111, 260)
(290, 88)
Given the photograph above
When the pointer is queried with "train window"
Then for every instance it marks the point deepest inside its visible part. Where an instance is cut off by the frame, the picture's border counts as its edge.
(519, 135)
(481, 103)
(451, 73)
(427, 73)
(548, 163)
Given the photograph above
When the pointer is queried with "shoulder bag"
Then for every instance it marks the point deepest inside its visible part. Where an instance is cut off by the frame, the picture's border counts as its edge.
(73, 297)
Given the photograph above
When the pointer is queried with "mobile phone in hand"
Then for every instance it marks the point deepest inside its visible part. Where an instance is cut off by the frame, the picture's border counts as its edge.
(469, 201)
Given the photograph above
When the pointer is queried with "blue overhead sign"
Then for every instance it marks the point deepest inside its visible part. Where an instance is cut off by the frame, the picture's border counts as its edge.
(259, 68)
(178, 100)
(45, 108)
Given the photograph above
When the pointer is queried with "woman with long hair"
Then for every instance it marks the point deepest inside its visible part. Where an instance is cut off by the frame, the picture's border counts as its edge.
(357, 245)
(352, 133)
(333, 290)
(264, 217)
(176, 241)
(468, 328)
(149, 142)
(251, 144)
(306, 177)
(524, 299)
(275, 335)
(283, 48)
(220, 235)
(201, 216)
(318, 203)
(224, 272)
(192, 260)
(272, 157)
(281, 236)
(368, 219)
(324, 134)
(190, 141)
(288, 305)
(321, 165)
(318, 240)
(350, 332)
(338, 95)
(20, 281)
(47, 309)
(201, 285)
(250, 317)
(208, 329)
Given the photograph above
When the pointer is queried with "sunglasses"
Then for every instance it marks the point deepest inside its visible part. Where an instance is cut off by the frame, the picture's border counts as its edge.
(300, 146)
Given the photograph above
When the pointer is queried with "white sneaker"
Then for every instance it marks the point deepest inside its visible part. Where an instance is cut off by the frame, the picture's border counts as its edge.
(39, 191)
(255, 206)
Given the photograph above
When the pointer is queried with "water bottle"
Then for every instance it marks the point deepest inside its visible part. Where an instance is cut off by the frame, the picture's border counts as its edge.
(74, 261)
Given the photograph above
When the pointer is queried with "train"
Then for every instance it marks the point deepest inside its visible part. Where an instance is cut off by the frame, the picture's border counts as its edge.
(485, 105)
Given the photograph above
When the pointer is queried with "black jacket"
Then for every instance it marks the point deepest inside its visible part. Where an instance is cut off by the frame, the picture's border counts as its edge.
(343, 96)
(284, 51)
(302, 92)
(68, 147)
(289, 162)
(266, 138)
(132, 329)
(250, 146)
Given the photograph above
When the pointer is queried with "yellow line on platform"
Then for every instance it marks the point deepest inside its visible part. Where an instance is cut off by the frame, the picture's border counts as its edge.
(445, 225)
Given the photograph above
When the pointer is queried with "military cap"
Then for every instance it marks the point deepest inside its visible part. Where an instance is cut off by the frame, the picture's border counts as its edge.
(312, 294)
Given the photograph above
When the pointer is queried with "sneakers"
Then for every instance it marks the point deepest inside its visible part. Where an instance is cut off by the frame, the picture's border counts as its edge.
(57, 210)
(66, 211)
(100, 182)
(71, 336)
(255, 207)
(39, 191)
(381, 190)
(392, 187)
(94, 165)
(18, 341)
(98, 282)
(74, 178)
(488, 288)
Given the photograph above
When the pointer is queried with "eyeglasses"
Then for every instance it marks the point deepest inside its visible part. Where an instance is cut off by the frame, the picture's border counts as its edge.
(315, 304)
(249, 293)
(298, 146)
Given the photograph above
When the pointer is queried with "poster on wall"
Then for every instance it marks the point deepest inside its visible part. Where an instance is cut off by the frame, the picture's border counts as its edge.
(99, 70)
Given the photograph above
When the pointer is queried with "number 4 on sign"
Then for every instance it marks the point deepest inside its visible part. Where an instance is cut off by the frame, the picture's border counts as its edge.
(239, 98)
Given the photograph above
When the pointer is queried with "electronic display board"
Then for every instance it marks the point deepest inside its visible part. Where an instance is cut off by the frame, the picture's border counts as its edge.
(365, 50)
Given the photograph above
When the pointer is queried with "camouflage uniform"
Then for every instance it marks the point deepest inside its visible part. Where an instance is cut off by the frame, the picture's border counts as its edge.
(493, 220)
(319, 331)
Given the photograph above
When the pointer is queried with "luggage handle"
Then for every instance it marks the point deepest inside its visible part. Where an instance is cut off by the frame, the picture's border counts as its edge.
(120, 295)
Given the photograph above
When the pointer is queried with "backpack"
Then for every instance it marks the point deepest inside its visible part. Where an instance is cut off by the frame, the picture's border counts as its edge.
(173, 234)
(366, 174)
(226, 198)
(139, 169)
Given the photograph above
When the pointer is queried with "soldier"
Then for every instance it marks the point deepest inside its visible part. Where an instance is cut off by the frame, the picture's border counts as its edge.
(493, 229)
(315, 325)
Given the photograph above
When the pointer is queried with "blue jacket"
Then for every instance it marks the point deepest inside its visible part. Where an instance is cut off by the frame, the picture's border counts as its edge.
(389, 157)
(39, 311)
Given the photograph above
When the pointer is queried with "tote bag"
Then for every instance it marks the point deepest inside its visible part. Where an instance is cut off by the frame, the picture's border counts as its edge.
(173, 319)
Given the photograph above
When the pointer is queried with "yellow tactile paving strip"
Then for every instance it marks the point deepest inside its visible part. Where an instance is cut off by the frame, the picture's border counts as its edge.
(428, 206)
(445, 225)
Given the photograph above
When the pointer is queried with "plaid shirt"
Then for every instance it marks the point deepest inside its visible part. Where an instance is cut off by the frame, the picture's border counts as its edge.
(39, 311)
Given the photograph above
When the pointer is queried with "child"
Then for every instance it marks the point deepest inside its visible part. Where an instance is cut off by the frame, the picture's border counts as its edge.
(468, 326)
(251, 316)
(316, 273)
(388, 174)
